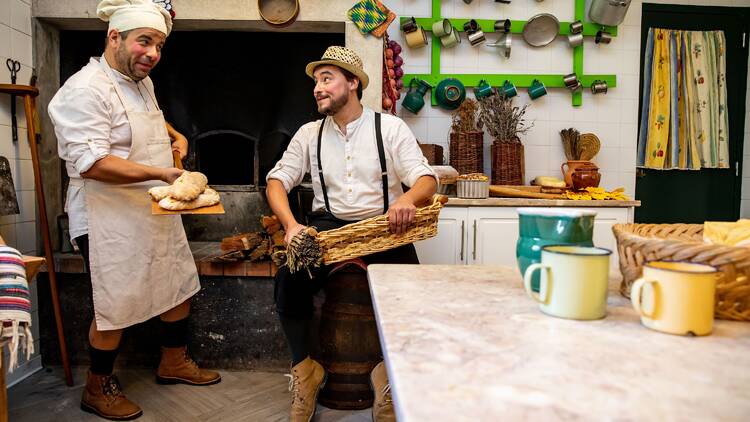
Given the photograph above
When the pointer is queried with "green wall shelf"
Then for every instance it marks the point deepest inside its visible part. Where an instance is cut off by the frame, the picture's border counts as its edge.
(519, 80)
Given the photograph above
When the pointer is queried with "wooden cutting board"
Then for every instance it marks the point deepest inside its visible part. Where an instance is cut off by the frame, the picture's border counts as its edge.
(513, 192)
(213, 209)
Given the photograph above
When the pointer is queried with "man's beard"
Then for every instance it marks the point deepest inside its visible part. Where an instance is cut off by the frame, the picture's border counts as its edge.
(127, 64)
(335, 105)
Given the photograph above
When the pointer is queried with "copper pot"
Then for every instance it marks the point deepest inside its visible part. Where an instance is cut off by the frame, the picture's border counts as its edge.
(586, 176)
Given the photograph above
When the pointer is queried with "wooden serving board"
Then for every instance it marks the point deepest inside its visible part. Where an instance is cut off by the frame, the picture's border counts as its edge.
(213, 209)
(507, 192)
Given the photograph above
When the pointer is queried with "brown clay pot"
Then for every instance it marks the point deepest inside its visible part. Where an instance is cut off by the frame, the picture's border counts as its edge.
(586, 176)
(572, 165)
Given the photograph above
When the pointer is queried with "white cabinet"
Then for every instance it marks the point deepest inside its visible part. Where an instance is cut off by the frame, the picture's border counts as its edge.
(488, 235)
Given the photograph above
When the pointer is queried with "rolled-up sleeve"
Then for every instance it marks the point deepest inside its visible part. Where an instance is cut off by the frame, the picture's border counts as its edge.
(409, 162)
(291, 168)
(83, 124)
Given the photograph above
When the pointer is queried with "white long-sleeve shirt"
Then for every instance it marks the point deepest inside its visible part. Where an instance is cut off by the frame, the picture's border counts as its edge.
(90, 123)
(351, 165)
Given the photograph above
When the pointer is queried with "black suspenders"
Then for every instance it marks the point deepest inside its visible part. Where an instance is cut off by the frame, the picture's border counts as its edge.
(381, 155)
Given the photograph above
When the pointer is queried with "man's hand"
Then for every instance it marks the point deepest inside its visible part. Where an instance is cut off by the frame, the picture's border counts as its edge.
(179, 141)
(292, 231)
(170, 174)
(401, 214)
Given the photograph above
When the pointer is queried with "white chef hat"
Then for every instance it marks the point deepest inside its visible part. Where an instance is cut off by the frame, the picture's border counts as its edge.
(124, 15)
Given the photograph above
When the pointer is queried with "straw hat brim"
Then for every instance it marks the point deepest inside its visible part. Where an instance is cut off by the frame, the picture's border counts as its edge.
(359, 73)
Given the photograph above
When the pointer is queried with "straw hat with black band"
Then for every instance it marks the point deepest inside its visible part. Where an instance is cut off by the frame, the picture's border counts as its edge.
(344, 58)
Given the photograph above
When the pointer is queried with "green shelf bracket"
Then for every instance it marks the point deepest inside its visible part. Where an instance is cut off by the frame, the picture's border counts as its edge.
(519, 80)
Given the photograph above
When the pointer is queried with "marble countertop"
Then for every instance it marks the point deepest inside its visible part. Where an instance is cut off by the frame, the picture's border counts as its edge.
(530, 202)
(465, 343)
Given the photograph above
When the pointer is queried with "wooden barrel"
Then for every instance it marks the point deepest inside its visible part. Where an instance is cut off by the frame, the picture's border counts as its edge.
(349, 343)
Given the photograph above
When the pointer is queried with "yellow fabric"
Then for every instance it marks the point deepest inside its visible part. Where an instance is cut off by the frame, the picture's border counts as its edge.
(727, 233)
(682, 156)
(659, 110)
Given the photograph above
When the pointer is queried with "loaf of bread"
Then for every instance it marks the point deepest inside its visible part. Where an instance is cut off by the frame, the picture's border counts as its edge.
(206, 199)
(188, 186)
(160, 192)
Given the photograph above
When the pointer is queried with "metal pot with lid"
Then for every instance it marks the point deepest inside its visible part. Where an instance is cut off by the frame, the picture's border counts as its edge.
(609, 12)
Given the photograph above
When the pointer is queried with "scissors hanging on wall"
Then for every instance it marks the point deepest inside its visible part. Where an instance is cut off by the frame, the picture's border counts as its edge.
(14, 66)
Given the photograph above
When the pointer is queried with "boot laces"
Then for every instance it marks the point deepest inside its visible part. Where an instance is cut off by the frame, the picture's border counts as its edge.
(294, 387)
(387, 393)
(111, 388)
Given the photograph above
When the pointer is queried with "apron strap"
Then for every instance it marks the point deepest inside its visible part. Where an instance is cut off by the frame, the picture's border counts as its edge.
(320, 166)
(381, 156)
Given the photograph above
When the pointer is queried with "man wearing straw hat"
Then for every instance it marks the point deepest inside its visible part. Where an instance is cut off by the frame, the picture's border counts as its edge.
(113, 138)
(358, 160)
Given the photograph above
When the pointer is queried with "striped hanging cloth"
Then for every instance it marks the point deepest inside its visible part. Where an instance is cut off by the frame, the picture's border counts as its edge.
(684, 120)
(15, 306)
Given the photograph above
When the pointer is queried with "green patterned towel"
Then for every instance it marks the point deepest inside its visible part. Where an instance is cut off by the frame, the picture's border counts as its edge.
(367, 15)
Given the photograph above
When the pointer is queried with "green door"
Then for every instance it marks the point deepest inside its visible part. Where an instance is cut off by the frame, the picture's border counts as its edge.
(683, 196)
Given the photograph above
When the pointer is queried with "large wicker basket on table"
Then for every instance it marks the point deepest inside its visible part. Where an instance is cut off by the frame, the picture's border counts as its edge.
(372, 235)
(640, 243)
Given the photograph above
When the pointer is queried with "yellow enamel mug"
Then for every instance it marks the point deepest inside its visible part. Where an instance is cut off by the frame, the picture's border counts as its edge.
(676, 297)
(573, 282)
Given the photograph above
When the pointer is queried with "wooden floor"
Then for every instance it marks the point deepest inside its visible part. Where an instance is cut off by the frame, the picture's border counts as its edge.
(241, 396)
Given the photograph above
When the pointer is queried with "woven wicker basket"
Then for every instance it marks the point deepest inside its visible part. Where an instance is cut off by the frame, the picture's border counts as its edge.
(507, 163)
(640, 243)
(467, 152)
(372, 235)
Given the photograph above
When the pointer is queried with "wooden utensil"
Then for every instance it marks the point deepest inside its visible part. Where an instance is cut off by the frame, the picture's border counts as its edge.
(497, 190)
(213, 209)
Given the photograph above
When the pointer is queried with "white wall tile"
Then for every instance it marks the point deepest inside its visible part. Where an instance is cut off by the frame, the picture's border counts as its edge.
(4, 46)
(26, 238)
(27, 205)
(627, 159)
(537, 157)
(438, 130)
(20, 47)
(608, 134)
(744, 208)
(608, 160)
(8, 232)
(418, 126)
(20, 16)
(7, 149)
(4, 12)
(23, 174)
(538, 135)
(627, 181)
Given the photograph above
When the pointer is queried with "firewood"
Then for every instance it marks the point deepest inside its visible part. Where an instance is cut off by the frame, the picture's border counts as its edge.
(260, 252)
(304, 252)
(277, 239)
(270, 224)
(241, 242)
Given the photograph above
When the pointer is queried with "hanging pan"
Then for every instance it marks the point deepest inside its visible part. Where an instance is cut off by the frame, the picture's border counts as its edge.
(278, 12)
(541, 30)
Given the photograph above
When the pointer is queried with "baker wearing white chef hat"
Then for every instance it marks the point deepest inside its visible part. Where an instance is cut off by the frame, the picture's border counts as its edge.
(113, 138)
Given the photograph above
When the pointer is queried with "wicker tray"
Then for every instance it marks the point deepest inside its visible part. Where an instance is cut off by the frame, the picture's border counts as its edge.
(372, 235)
(640, 243)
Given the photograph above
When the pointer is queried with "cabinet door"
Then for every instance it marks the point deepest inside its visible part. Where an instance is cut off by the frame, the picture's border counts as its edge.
(493, 233)
(603, 236)
(449, 246)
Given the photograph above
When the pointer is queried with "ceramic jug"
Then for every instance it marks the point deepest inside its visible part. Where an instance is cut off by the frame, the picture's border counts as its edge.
(414, 100)
(585, 176)
(572, 166)
(539, 227)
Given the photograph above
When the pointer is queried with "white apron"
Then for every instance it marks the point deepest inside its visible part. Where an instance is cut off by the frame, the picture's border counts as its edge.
(141, 264)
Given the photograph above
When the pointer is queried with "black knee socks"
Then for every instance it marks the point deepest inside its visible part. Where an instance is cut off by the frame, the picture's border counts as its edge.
(174, 334)
(102, 361)
(297, 332)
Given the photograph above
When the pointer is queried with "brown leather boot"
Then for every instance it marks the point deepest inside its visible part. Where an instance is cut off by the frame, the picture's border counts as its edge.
(305, 382)
(176, 367)
(103, 396)
(382, 408)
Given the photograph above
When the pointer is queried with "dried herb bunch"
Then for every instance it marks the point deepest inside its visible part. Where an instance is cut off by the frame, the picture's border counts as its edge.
(503, 121)
(464, 119)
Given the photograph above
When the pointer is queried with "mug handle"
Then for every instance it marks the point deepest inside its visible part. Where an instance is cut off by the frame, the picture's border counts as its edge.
(543, 295)
(635, 296)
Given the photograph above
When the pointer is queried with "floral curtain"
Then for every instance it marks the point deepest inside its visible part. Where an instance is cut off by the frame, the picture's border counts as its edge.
(684, 121)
